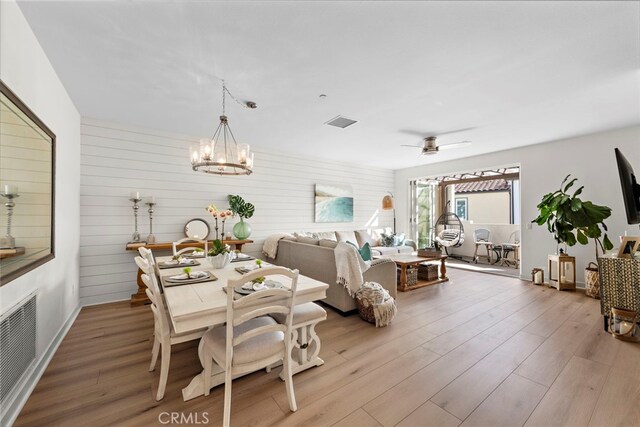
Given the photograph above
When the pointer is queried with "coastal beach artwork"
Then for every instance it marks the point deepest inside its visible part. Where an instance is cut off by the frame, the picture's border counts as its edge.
(334, 203)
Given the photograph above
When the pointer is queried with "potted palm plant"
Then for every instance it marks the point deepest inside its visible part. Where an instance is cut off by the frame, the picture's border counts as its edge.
(244, 210)
(572, 220)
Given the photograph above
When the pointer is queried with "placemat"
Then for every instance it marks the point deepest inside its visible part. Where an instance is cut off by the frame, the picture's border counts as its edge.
(270, 284)
(248, 258)
(177, 282)
(163, 265)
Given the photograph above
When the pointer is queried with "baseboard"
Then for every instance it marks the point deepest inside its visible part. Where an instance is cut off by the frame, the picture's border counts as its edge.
(12, 408)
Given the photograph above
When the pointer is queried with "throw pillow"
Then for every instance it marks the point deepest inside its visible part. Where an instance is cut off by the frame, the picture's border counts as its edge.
(347, 236)
(328, 243)
(398, 239)
(364, 251)
(308, 240)
(329, 235)
(387, 240)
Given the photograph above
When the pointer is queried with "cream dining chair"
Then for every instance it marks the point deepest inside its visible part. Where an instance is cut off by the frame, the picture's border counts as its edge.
(189, 249)
(163, 333)
(251, 339)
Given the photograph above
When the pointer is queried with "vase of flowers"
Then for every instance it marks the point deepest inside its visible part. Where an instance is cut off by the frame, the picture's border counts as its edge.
(244, 210)
(223, 215)
(220, 255)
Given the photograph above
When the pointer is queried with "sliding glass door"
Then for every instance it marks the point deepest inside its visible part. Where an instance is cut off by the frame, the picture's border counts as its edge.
(423, 211)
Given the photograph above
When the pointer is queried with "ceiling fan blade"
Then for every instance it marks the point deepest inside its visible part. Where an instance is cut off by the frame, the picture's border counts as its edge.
(434, 132)
(411, 146)
(455, 145)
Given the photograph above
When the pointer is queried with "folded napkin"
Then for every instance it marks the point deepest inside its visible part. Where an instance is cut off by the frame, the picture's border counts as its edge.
(250, 286)
(193, 275)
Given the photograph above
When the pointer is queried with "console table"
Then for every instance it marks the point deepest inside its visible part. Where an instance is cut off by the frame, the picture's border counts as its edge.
(140, 297)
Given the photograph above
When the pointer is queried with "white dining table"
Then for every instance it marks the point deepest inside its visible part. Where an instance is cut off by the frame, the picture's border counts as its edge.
(204, 305)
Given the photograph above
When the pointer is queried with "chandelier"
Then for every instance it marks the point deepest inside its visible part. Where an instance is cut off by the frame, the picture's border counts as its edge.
(222, 155)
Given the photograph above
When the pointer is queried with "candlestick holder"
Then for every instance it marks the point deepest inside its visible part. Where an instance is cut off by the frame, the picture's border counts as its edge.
(135, 237)
(151, 238)
(8, 242)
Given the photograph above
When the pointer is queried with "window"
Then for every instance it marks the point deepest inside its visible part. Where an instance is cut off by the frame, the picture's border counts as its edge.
(461, 208)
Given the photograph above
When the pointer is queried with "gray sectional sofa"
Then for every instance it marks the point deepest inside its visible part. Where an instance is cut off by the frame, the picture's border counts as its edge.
(314, 257)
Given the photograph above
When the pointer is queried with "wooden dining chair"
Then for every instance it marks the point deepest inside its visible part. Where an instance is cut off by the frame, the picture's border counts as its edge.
(305, 342)
(163, 332)
(189, 249)
(251, 339)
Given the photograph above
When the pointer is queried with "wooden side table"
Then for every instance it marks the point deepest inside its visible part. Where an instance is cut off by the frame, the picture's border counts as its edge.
(140, 297)
(562, 272)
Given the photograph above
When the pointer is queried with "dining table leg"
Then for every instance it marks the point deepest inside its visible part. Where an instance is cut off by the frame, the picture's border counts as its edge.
(305, 359)
(196, 386)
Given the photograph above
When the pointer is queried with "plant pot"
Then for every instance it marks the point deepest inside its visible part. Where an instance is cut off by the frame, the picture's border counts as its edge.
(220, 261)
(242, 230)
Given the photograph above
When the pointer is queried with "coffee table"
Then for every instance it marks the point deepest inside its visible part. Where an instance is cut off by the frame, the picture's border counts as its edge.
(406, 260)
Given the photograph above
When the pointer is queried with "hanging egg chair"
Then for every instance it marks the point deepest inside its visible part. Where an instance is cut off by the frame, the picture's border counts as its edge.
(449, 232)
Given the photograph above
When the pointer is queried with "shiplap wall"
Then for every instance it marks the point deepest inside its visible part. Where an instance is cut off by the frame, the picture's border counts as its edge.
(117, 160)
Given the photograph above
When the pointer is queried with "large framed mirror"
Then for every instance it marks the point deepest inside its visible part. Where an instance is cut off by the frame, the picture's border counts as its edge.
(27, 171)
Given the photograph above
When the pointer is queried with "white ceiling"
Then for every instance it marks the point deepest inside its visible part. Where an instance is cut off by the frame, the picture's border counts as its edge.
(510, 73)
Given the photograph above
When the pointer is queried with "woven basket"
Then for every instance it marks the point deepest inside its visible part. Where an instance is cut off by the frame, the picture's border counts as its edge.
(366, 313)
(412, 276)
(591, 282)
(428, 272)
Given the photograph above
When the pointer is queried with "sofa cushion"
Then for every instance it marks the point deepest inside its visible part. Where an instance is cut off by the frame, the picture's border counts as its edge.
(328, 243)
(329, 235)
(308, 240)
(363, 236)
(404, 249)
(347, 236)
(386, 250)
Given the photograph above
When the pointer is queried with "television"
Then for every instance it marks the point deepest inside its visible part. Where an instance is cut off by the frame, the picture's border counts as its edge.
(630, 188)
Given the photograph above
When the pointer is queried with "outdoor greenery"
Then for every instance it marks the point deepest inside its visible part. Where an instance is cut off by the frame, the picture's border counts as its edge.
(572, 220)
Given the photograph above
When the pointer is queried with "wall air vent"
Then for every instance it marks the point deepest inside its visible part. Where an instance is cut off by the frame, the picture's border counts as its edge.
(17, 344)
(341, 122)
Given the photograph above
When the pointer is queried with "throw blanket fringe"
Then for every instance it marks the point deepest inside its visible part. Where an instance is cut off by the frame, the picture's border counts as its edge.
(349, 267)
(384, 306)
(270, 246)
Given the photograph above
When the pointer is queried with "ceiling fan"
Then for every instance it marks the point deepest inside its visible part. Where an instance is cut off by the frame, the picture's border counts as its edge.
(430, 145)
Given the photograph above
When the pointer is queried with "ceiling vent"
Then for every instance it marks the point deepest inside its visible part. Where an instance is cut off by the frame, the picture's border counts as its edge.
(340, 122)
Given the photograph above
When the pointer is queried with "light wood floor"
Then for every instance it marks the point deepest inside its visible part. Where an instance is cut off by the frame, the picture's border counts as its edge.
(478, 350)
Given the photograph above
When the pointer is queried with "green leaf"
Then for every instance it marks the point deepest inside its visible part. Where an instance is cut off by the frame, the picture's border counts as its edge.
(607, 243)
(570, 184)
(582, 239)
(564, 180)
(576, 204)
(578, 191)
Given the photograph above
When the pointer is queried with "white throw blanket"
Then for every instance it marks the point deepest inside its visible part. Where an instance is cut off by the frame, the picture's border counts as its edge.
(270, 246)
(349, 267)
(384, 306)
